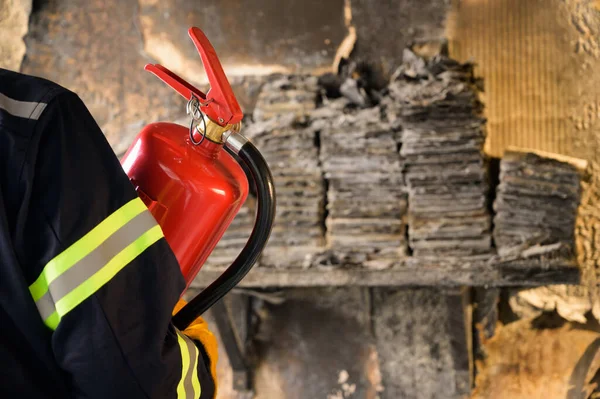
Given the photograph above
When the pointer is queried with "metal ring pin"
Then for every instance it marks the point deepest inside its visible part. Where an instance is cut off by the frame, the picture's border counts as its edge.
(193, 108)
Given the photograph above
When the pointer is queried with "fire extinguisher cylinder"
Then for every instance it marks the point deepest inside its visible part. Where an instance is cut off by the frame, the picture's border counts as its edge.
(194, 180)
(262, 180)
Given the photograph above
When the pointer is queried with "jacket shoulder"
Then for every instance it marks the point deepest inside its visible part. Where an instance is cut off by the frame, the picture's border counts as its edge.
(23, 99)
(23, 87)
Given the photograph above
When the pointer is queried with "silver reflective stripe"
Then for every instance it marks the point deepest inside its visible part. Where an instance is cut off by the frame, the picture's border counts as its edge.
(45, 305)
(93, 262)
(192, 370)
(22, 109)
(189, 385)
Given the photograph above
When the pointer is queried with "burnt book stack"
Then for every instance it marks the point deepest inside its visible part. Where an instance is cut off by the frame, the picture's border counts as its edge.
(442, 151)
(286, 95)
(536, 203)
(290, 150)
(366, 199)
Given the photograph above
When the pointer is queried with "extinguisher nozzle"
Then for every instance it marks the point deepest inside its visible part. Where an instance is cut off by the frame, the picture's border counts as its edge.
(265, 216)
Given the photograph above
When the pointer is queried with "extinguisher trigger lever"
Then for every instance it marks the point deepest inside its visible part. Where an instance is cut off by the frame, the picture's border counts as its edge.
(175, 82)
(219, 103)
(226, 110)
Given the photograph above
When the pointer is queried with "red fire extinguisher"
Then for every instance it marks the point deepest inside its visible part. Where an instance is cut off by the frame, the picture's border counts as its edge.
(191, 179)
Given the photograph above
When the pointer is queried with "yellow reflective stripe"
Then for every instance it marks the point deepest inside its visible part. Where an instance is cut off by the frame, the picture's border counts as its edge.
(185, 366)
(52, 321)
(195, 380)
(95, 282)
(84, 246)
(189, 385)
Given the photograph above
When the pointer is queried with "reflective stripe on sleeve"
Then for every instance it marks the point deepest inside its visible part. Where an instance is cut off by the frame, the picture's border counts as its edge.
(22, 109)
(189, 385)
(88, 264)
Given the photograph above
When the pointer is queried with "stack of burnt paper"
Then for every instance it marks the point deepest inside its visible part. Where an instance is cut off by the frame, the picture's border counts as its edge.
(290, 150)
(366, 199)
(286, 94)
(442, 150)
(536, 203)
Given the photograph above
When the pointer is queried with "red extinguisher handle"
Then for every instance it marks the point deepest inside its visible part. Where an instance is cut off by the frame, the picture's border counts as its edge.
(181, 86)
(219, 103)
(225, 104)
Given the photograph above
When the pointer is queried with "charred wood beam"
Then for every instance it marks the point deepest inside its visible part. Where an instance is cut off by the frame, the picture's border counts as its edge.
(225, 312)
(458, 305)
(485, 310)
(485, 317)
(414, 272)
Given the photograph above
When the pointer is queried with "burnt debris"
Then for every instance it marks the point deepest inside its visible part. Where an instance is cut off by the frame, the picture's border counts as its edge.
(443, 135)
(536, 203)
(369, 175)
(288, 145)
(366, 197)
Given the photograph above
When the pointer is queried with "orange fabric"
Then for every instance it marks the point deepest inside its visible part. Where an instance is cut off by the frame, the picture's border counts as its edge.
(199, 331)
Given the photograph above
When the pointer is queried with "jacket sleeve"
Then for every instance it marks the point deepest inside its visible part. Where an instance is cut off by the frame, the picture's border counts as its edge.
(104, 279)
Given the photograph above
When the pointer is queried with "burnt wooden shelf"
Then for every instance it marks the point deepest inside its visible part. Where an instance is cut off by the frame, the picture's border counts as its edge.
(487, 272)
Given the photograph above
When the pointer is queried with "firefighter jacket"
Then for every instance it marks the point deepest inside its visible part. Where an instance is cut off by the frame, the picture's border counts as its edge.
(87, 281)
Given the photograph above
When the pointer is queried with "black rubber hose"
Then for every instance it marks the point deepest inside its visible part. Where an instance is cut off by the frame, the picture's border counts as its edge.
(265, 215)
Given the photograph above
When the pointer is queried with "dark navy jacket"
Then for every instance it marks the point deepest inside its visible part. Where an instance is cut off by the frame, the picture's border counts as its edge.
(87, 281)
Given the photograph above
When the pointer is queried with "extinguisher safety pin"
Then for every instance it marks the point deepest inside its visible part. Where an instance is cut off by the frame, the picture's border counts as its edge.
(193, 109)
